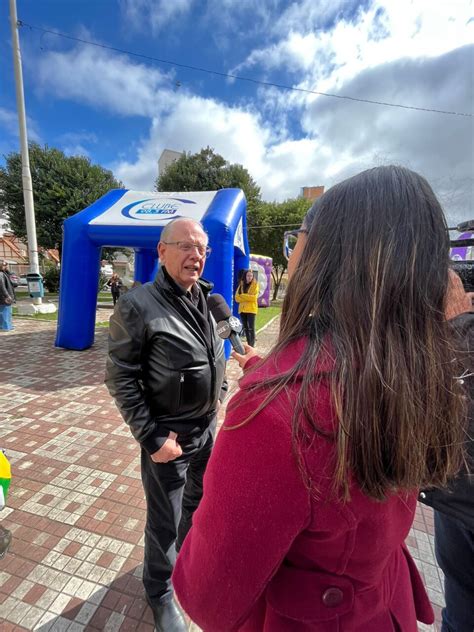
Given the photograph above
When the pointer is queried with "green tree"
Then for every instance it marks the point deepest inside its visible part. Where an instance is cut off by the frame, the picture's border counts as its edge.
(62, 186)
(51, 278)
(207, 171)
(108, 253)
(267, 222)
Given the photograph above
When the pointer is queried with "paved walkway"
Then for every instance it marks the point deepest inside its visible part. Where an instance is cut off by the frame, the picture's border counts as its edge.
(76, 506)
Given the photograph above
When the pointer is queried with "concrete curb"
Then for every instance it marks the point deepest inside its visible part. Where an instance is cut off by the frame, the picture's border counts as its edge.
(268, 324)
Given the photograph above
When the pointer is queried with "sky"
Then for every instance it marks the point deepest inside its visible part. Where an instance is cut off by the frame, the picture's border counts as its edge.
(122, 110)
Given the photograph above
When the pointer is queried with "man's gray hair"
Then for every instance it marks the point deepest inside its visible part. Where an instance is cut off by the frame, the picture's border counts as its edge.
(168, 229)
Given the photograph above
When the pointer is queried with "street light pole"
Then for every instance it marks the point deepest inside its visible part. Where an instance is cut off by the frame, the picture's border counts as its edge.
(25, 160)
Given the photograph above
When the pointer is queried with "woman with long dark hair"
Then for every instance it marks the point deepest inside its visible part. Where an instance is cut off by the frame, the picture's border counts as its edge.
(247, 298)
(312, 486)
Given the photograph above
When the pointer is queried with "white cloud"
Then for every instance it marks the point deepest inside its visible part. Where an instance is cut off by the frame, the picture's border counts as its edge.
(9, 121)
(9, 124)
(223, 24)
(76, 150)
(78, 137)
(383, 32)
(191, 124)
(74, 143)
(296, 52)
(280, 167)
(307, 15)
(340, 137)
(286, 139)
(153, 14)
(97, 77)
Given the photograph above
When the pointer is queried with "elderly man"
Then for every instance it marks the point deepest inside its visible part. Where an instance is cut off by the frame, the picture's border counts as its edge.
(166, 372)
(7, 298)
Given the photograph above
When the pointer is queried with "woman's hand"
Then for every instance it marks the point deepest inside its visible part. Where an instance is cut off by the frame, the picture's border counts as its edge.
(250, 352)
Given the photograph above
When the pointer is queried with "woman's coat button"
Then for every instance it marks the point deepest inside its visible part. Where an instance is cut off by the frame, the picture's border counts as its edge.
(333, 597)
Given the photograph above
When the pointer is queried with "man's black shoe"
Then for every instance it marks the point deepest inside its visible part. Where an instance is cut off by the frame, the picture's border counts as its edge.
(5, 541)
(169, 617)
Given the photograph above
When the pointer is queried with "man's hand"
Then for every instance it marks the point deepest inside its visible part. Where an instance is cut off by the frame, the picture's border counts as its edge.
(169, 451)
(8, 301)
(250, 352)
(457, 300)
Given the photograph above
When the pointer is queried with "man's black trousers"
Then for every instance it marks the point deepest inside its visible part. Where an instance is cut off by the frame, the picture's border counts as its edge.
(454, 546)
(173, 491)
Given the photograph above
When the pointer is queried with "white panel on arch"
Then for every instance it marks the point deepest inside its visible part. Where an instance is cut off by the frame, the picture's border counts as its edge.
(239, 237)
(145, 208)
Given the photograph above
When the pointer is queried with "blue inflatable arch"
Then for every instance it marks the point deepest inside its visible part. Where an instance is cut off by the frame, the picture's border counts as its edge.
(135, 219)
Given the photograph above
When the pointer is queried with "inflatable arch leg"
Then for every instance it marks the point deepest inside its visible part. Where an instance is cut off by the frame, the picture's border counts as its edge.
(146, 262)
(78, 300)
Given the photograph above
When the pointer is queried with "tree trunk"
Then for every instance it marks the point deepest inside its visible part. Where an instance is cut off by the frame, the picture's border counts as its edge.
(277, 276)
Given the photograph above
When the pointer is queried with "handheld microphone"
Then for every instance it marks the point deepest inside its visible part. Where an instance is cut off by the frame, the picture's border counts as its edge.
(228, 326)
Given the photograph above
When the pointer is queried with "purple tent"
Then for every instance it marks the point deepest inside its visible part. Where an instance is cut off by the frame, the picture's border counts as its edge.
(262, 270)
(464, 253)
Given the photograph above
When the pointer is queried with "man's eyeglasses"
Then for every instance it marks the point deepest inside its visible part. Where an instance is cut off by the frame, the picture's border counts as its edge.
(189, 246)
(290, 237)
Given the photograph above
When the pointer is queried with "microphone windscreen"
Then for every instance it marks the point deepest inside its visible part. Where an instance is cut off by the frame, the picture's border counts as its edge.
(218, 307)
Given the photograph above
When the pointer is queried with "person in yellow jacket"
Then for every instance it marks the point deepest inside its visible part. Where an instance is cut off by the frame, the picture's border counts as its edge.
(246, 296)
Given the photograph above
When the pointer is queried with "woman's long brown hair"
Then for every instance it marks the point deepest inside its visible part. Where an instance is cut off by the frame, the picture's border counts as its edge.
(372, 282)
(244, 287)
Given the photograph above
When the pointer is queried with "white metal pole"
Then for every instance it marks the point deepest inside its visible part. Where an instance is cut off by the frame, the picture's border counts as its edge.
(25, 159)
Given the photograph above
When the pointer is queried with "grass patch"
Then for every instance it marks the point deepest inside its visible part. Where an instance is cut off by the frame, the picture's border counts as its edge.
(23, 293)
(50, 317)
(265, 314)
(53, 316)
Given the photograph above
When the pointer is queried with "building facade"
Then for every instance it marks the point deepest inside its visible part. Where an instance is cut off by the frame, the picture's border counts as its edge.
(168, 156)
(312, 193)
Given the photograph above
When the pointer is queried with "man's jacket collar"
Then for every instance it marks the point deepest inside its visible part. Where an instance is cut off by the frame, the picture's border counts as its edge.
(163, 280)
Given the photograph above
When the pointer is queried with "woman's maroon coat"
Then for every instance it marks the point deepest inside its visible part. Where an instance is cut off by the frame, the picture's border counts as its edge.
(264, 555)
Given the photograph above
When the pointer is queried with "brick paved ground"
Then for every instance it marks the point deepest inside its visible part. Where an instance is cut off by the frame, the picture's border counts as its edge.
(76, 506)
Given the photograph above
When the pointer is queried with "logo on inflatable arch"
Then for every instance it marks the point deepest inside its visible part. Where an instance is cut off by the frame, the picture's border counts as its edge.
(160, 209)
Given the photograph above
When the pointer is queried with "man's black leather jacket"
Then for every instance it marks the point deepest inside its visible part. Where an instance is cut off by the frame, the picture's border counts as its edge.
(161, 371)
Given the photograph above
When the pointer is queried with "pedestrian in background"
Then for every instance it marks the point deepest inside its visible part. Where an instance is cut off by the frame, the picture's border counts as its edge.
(247, 297)
(115, 284)
(7, 298)
(312, 487)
